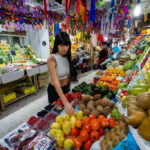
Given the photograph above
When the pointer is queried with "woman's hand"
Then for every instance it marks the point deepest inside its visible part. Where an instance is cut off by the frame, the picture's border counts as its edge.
(69, 109)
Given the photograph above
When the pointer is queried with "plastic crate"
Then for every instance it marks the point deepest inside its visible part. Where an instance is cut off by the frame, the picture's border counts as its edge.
(9, 97)
(26, 89)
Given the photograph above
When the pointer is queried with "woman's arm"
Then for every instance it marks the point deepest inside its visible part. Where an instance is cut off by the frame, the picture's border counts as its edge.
(52, 71)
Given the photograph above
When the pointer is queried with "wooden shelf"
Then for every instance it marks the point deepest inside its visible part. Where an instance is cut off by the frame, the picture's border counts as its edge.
(19, 96)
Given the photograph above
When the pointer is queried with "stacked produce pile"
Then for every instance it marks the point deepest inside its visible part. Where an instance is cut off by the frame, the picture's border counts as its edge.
(96, 105)
(138, 109)
(77, 132)
(91, 89)
(14, 57)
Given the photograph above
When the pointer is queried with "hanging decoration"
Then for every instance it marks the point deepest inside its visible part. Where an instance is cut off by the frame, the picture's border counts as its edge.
(45, 7)
(92, 11)
(78, 3)
(67, 4)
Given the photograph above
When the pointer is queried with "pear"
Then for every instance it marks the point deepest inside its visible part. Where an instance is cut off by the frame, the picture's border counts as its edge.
(60, 140)
(66, 117)
(59, 120)
(55, 125)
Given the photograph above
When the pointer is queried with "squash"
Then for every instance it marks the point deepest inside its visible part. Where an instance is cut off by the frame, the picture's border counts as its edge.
(144, 100)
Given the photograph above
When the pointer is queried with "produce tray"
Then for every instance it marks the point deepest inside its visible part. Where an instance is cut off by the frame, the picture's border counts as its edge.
(11, 76)
(33, 71)
(43, 68)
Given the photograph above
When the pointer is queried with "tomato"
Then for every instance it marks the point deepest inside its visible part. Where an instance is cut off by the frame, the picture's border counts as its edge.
(92, 116)
(78, 124)
(86, 120)
(94, 124)
(77, 143)
(87, 127)
(104, 122)
(112, 122)
(84, 136)
(94, 136)
(88, 144)
(101, 131)
(74, 132)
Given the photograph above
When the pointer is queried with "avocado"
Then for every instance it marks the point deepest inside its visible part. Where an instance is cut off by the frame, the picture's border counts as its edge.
(96, 91)
(109, 95)
(114, 93)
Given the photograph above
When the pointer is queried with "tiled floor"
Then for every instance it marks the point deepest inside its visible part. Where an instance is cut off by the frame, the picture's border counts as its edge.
(20, 111)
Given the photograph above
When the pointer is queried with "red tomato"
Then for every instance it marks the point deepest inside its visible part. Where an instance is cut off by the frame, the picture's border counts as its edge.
(77, 143)
(92, 116)
(112, 122)
(104, 122)
(87, 127)
(84, 136)
(101, 131)
(86, 120)
(88, 144)
(94, 124)
(94, 136)
(78, 124)
(74, 132)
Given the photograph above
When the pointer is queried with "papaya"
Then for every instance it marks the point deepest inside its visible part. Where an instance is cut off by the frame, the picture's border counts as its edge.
(136, 91)
(143, 86)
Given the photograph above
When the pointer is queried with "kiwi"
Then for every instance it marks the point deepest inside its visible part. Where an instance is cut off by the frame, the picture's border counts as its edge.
(100, 108)
(81, 107)
(95, 112)
(98, 102)
(90, 107)
(111, 103)
(107, 110)
(86, 112)
(90, 103)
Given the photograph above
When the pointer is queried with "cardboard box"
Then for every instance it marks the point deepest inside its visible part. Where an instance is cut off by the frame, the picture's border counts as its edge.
(43, 77)
(43, 83)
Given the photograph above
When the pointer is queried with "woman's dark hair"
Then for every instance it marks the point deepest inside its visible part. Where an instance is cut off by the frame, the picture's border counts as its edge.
(63, 38)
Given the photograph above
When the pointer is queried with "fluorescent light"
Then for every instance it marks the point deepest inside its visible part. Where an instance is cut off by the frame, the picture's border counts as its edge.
(137, 11)
(105, 38)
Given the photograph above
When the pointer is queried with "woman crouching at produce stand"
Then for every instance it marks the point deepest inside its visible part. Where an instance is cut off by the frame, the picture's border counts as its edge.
(59, 66)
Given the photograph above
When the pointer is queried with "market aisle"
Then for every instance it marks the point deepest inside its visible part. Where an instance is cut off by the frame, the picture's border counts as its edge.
(20, 111)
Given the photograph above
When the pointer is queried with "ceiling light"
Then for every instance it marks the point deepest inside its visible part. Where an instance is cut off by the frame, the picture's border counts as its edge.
(137, 11)
(30, 4)
(105, 38)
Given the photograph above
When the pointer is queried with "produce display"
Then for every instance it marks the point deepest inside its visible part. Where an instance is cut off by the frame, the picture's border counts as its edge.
(96, 105)
(77, 131)
(114, 136)
(138, 111)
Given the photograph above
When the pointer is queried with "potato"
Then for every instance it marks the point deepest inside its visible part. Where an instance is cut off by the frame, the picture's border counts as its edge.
(81, 102)
(96, 97)
(90, 103)
(81, 107)
(111, 103)
(87, 98)
(107, 110)
(104, 102)
(90, 107)
(99, 108)
(98, 102)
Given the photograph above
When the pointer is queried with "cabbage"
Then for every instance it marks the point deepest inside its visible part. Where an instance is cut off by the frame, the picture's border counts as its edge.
(128, 65)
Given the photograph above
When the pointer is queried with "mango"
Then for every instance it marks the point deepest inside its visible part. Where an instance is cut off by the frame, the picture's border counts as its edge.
(55, 132)
(72, 121)
(79, 115)
(68, 144)
(59, 120)
(66, 127)
(66, 117)
(55, 125)
(60, 140)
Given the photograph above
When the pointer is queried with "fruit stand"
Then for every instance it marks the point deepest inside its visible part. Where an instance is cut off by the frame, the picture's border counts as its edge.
(19, 67)
(110, 113)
